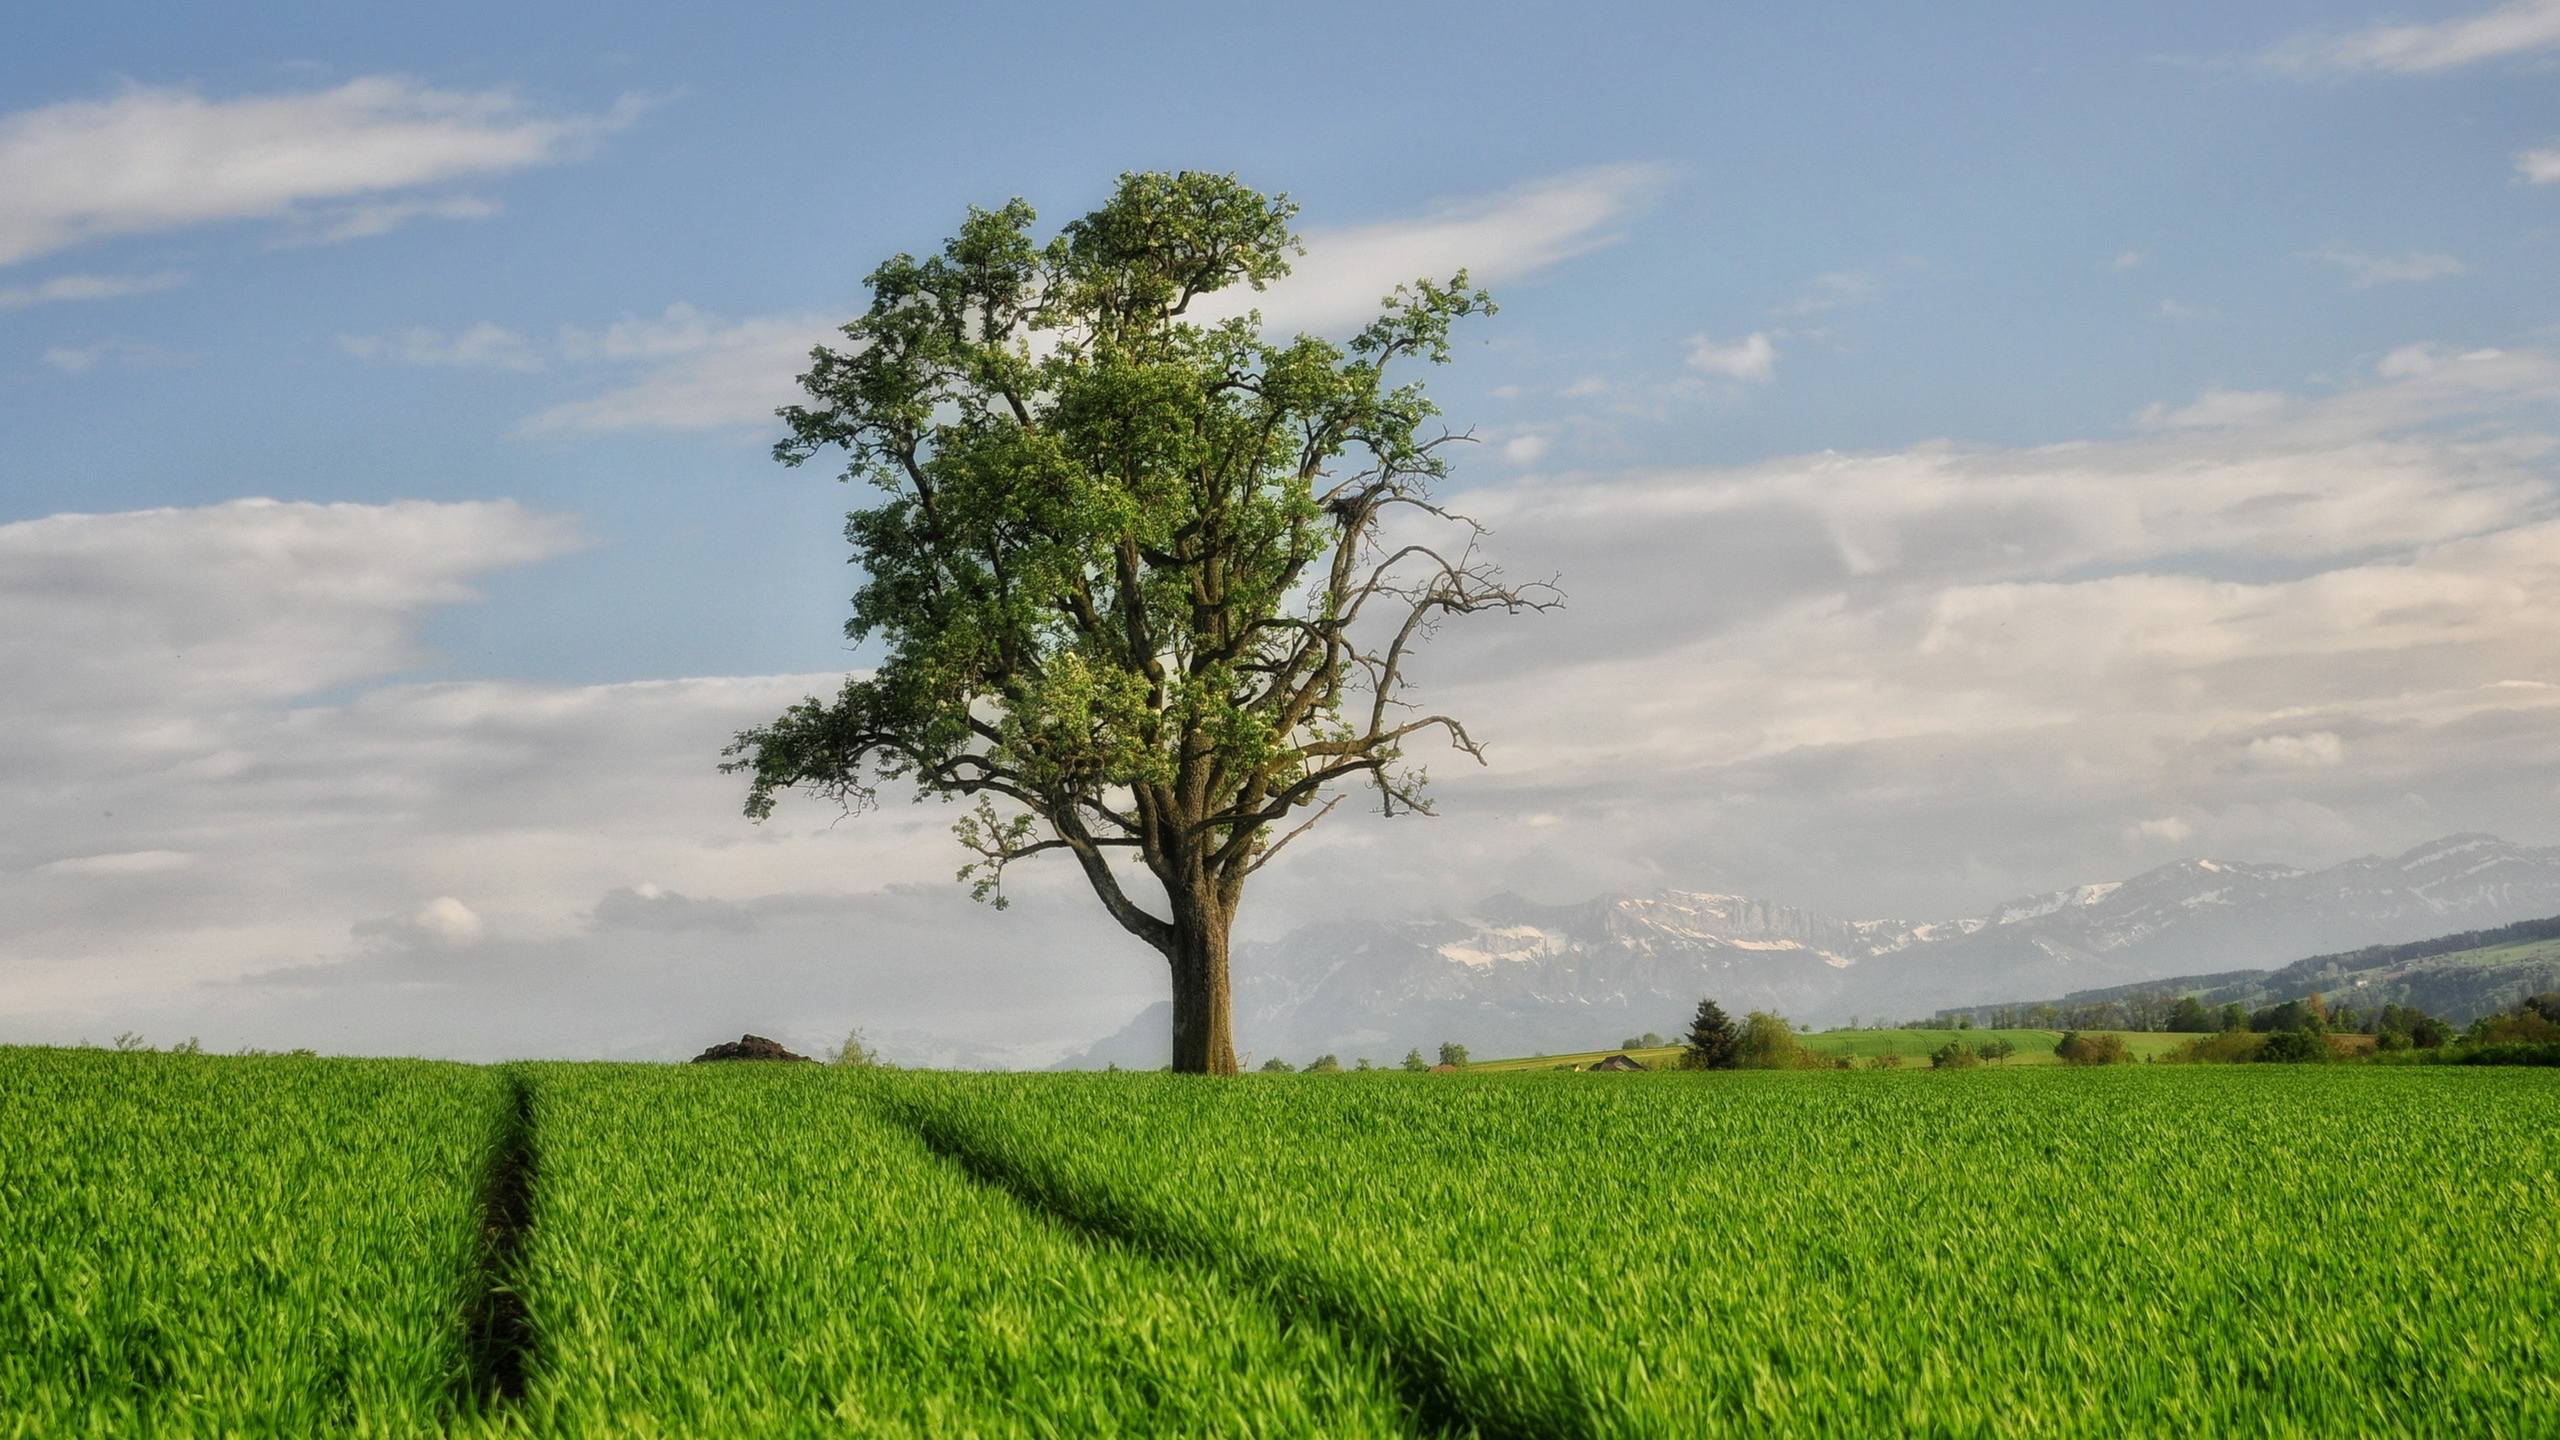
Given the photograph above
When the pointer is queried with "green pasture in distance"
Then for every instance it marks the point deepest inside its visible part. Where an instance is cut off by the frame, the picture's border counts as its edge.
(192, 1245)
(2035, 1047)
(2129, 1250)
(2521, 951)
(757, 1250)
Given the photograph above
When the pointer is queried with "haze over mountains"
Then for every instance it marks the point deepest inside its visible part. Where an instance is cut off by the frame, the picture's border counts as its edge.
(1515, 977)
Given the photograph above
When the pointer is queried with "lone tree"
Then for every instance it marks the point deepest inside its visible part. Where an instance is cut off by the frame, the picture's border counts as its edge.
(1145, 585)
(1711, 1042)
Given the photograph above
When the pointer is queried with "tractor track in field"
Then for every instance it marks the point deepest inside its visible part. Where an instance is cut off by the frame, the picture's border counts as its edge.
(1421, 1381)
(498, 1336)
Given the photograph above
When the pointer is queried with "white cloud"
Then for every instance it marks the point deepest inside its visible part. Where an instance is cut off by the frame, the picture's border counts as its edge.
(2426, 357)
(2366, 271)
(148, 160)
(2539, 167)
(2317, 750)
(87, 287)
(2126, 260)
(1527, 449)
(1835, 290)
(361, 222)
(2165, 829)
(707, 372)
(130, 862)
(2181, 310)
(1347, 270)
(127, 354)
(449, 920)
(208, 778)
(250, 600)
(484, 346)
(2523, 27)
(1753, 357)
(2216, 408)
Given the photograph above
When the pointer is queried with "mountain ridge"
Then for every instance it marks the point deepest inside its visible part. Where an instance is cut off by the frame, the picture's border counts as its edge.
(1517, 975)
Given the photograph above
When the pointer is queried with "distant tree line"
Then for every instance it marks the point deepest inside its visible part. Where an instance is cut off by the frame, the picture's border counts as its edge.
(2309, 1030)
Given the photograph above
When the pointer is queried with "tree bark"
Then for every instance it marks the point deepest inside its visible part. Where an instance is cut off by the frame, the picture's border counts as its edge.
(1203, 1038)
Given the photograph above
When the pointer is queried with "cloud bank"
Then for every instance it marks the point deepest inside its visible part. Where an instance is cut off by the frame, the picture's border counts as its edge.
(333, 163)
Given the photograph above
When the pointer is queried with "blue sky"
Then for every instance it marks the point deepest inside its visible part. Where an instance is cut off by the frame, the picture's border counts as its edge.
(2039, 280)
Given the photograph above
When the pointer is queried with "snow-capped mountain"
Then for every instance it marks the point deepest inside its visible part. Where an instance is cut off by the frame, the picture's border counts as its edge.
(1512, 977)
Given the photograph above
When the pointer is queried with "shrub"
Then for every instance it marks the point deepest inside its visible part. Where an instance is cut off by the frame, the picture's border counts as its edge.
(1277, 1066)
(2231, 1047)
(1886, 1061)
(2510, 1053)
(1453, 1053)
(2293, 1047)
(1996, 1050)
(1954, 1055)
(857, 1054)
(2078, 1049)
(1768, 1042)
(2527, 1023)
(2308, 1013)
(1324, 1065)
(1414, 1062)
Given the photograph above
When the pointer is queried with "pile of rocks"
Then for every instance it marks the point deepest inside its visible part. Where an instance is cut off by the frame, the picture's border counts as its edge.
(748, 1047)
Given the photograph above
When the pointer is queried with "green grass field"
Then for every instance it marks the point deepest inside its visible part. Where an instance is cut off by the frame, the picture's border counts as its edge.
(213, 1246)
(201, 1246)
(2035, 1047)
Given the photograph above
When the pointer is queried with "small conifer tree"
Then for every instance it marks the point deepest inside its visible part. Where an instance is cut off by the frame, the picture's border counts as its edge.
(1711, 1042)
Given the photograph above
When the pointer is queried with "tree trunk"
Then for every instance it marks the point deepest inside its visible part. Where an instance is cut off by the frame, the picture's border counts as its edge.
(1203, 1042)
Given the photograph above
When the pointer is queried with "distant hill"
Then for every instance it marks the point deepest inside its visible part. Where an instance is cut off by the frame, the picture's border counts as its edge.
(1511, 976)
(2459, 976)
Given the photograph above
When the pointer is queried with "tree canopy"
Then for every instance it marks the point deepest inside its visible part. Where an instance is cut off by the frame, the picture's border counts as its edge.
(1143, 584)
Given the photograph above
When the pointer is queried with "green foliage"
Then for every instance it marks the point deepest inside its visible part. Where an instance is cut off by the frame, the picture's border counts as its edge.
(1413, 1062)
(2404, 1027)
(195, 1245)
(2514, 1052)
(2293, 1047)
(1453, 1053)
(1712, 1043)
(1997, 1049)
(1099, 522)
(1768, 1042)
(856, 1053)
(1277, 1066)
(1128, 571)
(2308, 1013)
(2188, 1016)
(1888, 1060)
(2237, 1045)
(1324, 1065)
(1954, 1055)
(2075, 1048)
(2534, 1021)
